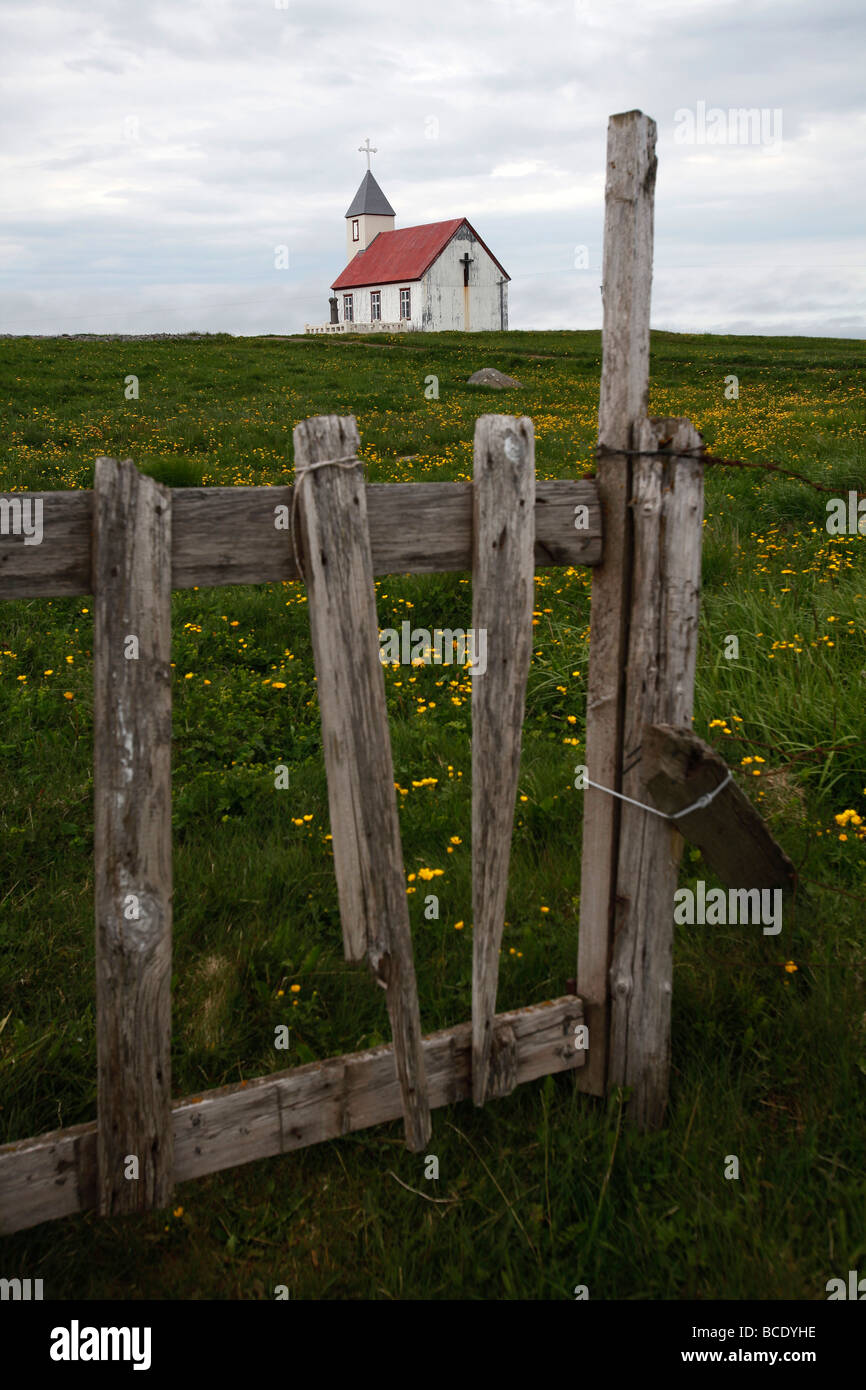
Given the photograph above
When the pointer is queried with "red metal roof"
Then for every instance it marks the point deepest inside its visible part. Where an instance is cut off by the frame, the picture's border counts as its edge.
(403, 255)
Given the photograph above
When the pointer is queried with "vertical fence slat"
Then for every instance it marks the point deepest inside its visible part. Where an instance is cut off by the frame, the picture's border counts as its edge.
(132, 835)
(627, 277)
(503, 598)
(663, 638)
(368, 855)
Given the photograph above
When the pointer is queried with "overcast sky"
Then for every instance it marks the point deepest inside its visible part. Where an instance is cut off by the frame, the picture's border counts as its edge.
(155, 153)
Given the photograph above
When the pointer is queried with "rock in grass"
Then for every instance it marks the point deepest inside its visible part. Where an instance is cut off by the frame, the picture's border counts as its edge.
(489, 376)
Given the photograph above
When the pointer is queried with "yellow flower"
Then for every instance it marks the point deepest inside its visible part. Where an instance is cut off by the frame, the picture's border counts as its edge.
(458, 926)
(68, 695)
(296, 989)
(178, 1211)
(278, 685)
(790, 967)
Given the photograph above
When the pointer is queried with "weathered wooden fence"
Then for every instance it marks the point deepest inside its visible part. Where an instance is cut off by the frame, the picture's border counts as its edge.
(131, 541)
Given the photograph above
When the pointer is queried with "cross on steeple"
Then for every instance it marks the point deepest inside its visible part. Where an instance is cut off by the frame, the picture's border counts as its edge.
(367, 149)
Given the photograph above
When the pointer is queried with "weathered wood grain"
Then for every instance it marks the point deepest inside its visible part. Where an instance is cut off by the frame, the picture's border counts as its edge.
(668, 498)
(503, 596)
(54, 1174)
(132, 834)
(627, 280)
(231, 535)
(677, 768)
(368, 855)
(59, 563)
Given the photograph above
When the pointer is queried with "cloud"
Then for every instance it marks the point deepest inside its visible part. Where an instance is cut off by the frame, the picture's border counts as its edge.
(158, 152)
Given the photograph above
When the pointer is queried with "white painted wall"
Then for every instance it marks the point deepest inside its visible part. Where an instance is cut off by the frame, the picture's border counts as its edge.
(390, 302)
(443, 307)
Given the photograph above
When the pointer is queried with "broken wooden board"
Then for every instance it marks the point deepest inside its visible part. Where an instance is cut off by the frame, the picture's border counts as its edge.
(677, 769)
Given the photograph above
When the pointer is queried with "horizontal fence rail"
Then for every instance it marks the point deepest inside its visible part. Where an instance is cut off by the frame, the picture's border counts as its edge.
(230, 535)
(55, 1174)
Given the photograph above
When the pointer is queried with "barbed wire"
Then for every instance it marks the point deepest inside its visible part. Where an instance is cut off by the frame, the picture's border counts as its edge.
(788, 754)
(827, 888)
(713, 461)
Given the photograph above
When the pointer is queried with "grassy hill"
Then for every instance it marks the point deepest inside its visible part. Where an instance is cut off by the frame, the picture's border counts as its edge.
(546, 1189)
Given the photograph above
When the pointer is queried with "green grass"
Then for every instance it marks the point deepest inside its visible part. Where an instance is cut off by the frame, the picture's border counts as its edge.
(546, 1189)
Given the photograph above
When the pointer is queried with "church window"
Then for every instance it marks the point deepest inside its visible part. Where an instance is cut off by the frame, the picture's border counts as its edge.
(348, 312)
(375, 304)
(405, 304)
(356, 236)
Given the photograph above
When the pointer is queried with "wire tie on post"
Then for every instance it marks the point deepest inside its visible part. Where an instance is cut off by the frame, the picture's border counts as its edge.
(698, 805)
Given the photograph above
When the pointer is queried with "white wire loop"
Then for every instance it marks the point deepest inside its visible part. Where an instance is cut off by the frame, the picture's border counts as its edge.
(695, 806)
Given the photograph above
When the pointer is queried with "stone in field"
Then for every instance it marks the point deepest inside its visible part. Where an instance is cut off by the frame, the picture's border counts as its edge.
(489, 376)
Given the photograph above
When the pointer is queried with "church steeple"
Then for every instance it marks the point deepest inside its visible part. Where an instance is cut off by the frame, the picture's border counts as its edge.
(369, 212)
(370, 200)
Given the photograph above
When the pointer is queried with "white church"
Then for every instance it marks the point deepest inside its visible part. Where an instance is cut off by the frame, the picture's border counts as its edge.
(436, 277)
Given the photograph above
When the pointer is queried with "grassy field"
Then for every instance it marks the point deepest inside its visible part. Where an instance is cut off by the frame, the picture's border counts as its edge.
(546, 1189)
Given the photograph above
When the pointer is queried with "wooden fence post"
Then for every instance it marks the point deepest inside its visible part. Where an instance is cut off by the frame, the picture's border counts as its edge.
(660, 679)
(627, 277)
(503, 596)
(368, 855)
(132, 835)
